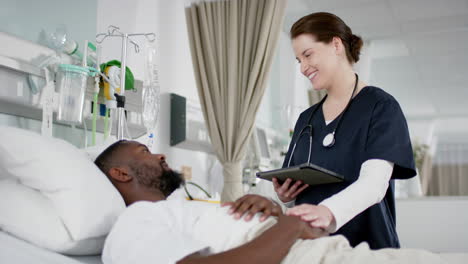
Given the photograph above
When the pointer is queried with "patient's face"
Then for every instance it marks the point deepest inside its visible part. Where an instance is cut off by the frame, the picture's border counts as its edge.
(152, 170)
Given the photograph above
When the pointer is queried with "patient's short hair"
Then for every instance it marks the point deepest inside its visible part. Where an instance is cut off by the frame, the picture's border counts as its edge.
(108, 159)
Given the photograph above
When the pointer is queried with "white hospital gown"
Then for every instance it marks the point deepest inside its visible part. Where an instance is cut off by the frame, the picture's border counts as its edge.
(167, 231)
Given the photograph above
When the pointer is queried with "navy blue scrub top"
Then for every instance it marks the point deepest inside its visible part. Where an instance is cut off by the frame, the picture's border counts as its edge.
(373, 127)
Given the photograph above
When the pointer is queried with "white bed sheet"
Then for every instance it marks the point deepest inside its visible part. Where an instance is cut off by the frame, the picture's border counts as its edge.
(14, 250)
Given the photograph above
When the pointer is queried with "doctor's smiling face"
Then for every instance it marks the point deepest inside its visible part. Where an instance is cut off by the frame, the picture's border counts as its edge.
(137, 173)
(318, 60)
(325, 47)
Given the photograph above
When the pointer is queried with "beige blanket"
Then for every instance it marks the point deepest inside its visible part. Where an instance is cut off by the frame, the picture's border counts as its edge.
(336, 249)
(222, 232)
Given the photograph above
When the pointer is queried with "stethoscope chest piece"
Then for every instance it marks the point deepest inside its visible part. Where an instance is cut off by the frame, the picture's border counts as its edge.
(329, 140)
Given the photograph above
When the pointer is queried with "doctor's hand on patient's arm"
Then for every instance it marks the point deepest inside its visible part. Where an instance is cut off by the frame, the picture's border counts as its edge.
(288, 191)
(271, 246)
(251, 204)
(318, 216)
(306, 231)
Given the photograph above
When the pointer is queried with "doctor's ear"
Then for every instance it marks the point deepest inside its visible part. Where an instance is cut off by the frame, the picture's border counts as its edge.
(337, 44)
(120, 174)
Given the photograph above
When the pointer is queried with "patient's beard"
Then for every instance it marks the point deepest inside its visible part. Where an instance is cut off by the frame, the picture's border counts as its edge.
(167, 183)
(170, 181)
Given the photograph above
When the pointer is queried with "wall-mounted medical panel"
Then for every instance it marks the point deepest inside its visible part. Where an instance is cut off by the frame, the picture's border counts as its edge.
(188, 130)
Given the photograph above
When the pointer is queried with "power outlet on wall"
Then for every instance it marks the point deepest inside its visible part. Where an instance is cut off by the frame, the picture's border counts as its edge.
(186, 172)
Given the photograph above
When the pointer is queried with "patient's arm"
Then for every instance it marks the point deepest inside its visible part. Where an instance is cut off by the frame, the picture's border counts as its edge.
(270, 247)
(251, 204)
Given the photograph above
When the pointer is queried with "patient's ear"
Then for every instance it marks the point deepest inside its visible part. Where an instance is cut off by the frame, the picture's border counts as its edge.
(120, 174)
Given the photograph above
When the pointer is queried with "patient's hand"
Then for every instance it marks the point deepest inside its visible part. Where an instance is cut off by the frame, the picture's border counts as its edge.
(251, 204)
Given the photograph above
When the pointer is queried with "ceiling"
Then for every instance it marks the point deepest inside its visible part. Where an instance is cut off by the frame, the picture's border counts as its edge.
(419, 49)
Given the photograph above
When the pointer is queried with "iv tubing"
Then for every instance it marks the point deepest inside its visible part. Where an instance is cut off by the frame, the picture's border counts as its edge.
(106, 124)
(96, 95)
(95, 109)
(85, 129)
(121, 113)
(127, 130)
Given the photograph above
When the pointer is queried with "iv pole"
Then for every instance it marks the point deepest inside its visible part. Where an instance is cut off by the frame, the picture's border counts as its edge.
(114, 31)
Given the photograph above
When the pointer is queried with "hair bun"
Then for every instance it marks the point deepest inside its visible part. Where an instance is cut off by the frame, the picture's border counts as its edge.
(355, 45)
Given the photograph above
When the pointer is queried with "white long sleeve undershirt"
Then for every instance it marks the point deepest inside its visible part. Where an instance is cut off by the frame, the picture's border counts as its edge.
(367, 190)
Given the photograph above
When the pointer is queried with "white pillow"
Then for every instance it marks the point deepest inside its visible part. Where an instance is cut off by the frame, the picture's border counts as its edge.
(94, 151)
(82, 196)
(29, 215)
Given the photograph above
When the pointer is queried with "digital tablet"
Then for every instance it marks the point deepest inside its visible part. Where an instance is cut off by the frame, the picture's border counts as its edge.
(307, 173)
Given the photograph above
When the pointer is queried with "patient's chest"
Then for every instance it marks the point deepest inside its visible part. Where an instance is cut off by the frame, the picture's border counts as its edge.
(215, 227)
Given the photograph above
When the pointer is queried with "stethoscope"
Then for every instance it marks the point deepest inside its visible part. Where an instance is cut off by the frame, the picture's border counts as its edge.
(329, 139)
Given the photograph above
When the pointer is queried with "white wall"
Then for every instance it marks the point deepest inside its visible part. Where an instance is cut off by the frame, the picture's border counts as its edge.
(167, 20)
(364, 65)
(437, 224)
(26, 19)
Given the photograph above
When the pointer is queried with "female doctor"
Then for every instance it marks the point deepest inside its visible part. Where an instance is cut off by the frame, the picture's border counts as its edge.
(358, 131)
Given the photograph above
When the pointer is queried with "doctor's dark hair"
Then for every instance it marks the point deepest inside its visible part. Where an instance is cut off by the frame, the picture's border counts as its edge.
(106, 160)
(324, 26)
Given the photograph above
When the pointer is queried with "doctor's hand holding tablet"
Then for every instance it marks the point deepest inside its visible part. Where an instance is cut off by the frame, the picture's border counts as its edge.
(347, 149)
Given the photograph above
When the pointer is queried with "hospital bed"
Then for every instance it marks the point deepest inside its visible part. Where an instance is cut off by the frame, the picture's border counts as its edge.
(14, 250)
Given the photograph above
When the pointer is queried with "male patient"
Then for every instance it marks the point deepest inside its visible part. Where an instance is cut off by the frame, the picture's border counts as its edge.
(155, 230)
